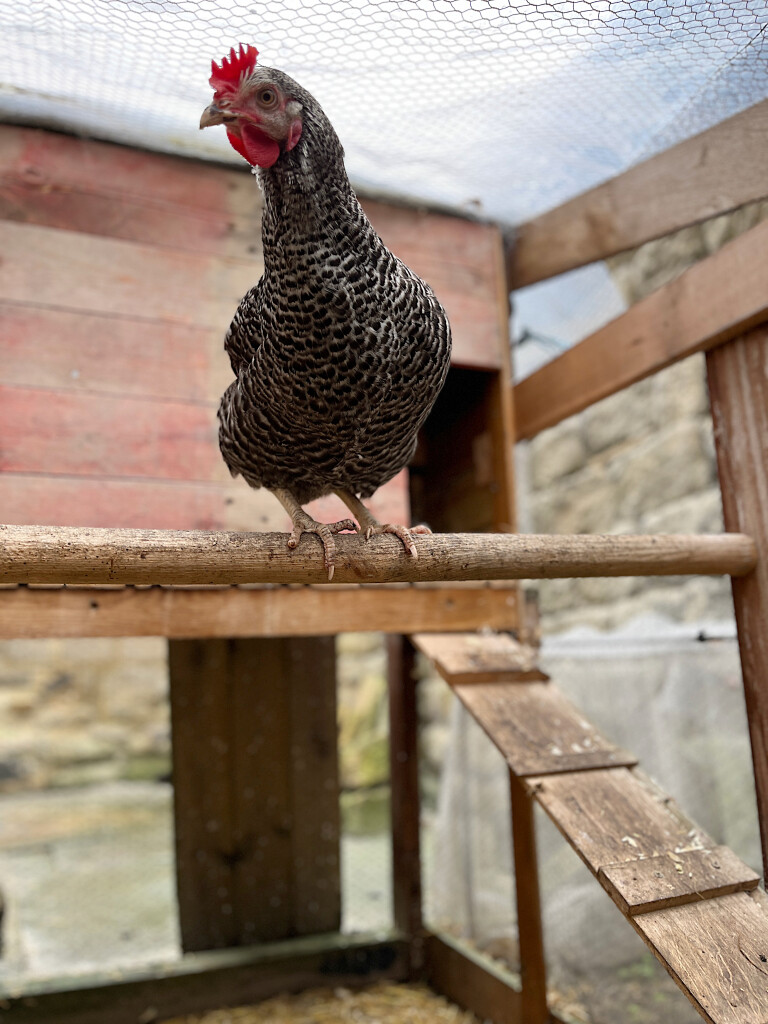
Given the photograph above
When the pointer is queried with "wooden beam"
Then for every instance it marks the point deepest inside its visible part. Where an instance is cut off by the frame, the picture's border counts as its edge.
(256, 789)
(205, 981)
(462, 658)
(738, 387)
(712, 302)
(533, 967)
(472, 981)
(537, 730)
(42, 554)
(29, 613)
(711, 173)
(405, 798)
(716, 950)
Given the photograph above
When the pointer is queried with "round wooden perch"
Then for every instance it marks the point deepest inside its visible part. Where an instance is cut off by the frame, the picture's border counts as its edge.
(46, 554)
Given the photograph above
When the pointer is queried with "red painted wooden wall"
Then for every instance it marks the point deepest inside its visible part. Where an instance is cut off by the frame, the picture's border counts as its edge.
(119, 273)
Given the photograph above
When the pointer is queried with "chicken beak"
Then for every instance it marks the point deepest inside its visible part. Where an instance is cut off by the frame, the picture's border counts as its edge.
(212, 115)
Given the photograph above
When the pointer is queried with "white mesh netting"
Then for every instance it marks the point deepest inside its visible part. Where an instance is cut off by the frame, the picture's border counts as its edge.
(511, 105)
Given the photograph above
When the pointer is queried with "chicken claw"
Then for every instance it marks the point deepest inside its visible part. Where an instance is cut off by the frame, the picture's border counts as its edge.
(370, 526)
(304, 523)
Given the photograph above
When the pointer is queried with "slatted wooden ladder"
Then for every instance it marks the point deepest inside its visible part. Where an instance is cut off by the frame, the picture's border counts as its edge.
(694, 903)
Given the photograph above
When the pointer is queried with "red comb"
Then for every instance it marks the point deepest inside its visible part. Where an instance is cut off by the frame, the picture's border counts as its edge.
(233, 69)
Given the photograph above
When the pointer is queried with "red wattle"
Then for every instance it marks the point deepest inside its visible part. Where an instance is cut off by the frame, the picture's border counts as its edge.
(258, 148)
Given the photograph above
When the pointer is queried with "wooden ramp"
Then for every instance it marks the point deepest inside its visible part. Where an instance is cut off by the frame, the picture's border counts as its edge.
(694, 903)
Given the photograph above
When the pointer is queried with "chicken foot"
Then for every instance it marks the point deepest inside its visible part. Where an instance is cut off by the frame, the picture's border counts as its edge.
(304, 523)
(369, 525)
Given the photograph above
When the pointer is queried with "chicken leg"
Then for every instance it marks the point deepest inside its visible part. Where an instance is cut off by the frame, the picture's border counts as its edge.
(304, 523)
(369, 525)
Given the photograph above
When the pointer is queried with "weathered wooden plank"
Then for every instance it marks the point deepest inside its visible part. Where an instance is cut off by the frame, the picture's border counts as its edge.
(712, 302)
(203, 813)
(616, 816)
(232, 612)
(502, 406)
(107, 191)
(117, 191)
(314, 783)
(717, 952)
(201, 982)
(169, 504)
(133, 504)
(405, 800)
(709, 174)
(120, 278)
(285, 787)
(40, 554)
(533, 967)
(672, 879)
(738, 387)
(80, 352)
(55, 432)
(537, 730)
(255, 789)
(473, 982)
(463, 658)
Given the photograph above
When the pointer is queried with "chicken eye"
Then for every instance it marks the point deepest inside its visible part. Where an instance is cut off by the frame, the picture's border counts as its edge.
(268, 97)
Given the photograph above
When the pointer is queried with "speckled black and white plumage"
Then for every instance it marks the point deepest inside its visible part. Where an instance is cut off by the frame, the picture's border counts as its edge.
(340, 350)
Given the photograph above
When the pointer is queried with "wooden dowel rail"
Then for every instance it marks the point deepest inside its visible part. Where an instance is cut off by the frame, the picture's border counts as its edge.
(61, 555)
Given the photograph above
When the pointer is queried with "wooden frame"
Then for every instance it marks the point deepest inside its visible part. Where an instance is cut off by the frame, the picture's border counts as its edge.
(719, 305)
(708, 174)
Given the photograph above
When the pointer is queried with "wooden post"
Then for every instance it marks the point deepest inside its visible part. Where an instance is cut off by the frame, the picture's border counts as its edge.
(256, 795)
(533, 969)
(738, 388)
(405, 804)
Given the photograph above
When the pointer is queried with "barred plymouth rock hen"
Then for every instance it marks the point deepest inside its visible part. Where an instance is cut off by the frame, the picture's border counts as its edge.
(340, 350)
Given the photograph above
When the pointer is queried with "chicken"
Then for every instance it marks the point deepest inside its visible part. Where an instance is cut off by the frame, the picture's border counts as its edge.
(339, 351)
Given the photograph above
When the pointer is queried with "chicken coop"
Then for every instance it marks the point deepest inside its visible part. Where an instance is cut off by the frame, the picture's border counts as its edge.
(494, 145)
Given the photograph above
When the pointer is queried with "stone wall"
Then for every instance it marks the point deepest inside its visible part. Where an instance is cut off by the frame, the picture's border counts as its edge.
(640, 461)
(82, 711)
(74, 712)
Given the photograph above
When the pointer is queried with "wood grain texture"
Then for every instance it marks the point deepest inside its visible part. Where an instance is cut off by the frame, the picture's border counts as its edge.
(405, 802)
(673, 879)
(717, 952)
(61, 500)
(233, 612)
(99, 188)
(533, 966)
(709, 174)
(537, 730)
(617, 816)
(86, 435)
(711, 303)
(94, 352)
(257, 828)
(40, 554)
(203, 813)
(738, 387)
(473, 982)
(462, 658)
(128, 503)
(114, 192)
(119, 278)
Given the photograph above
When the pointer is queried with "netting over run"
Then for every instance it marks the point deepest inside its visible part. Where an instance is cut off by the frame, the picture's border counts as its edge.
(508, 105)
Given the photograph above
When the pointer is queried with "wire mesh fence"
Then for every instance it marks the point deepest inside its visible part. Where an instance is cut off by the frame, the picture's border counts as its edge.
(507, 106)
